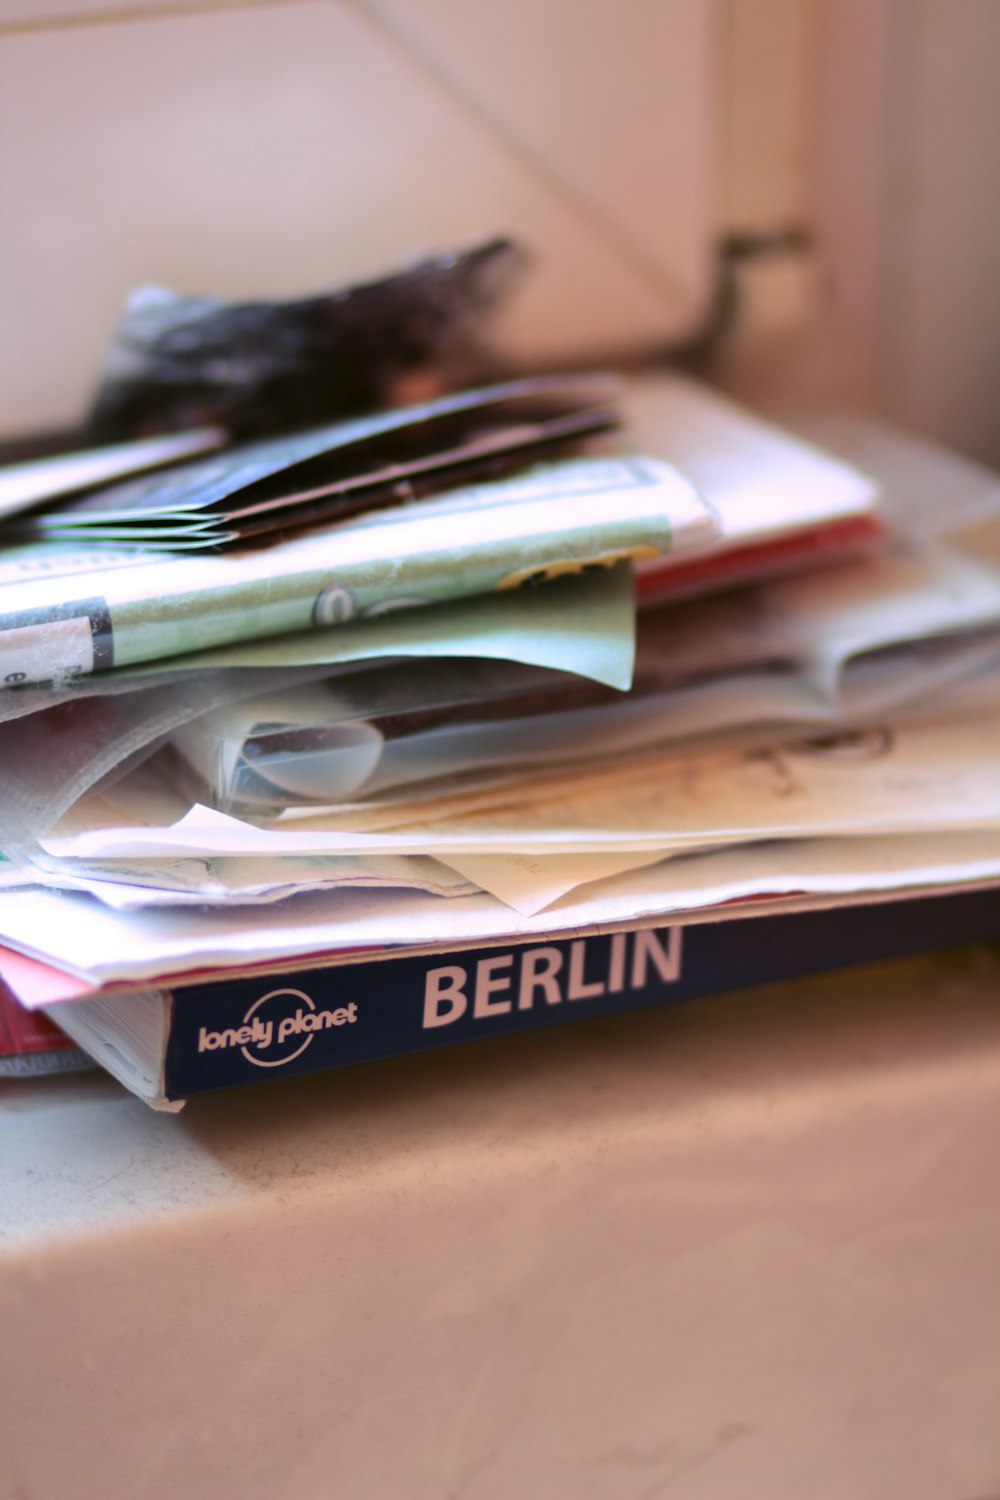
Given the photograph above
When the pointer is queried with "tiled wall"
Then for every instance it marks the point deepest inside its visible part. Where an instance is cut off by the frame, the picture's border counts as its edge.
(256, 147)
(278, 148)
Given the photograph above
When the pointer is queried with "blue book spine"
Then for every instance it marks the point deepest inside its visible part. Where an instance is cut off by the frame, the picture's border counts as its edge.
(243, 1030)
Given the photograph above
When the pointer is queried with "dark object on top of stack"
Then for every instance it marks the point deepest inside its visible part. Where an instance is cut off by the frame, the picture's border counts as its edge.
(260, 367)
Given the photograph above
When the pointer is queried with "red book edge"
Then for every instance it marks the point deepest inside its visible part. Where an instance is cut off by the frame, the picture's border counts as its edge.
(23, 1031)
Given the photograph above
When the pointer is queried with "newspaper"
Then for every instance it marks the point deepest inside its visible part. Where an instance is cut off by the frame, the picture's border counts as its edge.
(583, 624)
(37, 789)
(580, 622)
(846, 645)
(66, 613)
(50, 757)
(47, 765)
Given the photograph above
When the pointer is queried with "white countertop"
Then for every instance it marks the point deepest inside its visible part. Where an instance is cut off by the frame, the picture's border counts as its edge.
(745, 1246)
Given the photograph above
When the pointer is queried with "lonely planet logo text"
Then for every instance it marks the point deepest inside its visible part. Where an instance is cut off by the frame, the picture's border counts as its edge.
(277, 1028)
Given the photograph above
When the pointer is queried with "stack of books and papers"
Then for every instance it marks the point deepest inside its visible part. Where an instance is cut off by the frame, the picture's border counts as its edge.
(524, 703)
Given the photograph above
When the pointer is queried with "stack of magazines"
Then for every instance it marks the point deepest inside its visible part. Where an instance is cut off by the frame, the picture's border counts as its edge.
(482, 712)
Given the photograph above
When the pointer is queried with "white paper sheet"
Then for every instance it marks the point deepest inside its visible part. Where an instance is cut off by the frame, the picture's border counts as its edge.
(926, 490)
(529, 883)
(759, 480)
(248, 882)
(78, 935)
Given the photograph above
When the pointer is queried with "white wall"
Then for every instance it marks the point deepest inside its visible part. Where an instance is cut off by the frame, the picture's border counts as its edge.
(279, 148)
(248, 147)
(903, 314)
(941, 264)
